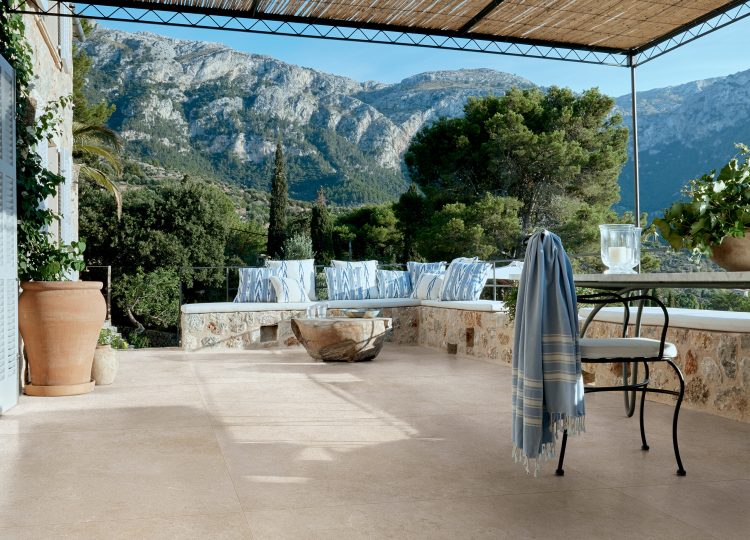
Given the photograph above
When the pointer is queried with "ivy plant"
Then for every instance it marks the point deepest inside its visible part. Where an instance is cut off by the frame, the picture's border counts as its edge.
(710, 209)
(39, 259)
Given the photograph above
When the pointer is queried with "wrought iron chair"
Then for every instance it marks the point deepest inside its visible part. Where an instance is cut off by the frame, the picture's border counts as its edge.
(626, 350)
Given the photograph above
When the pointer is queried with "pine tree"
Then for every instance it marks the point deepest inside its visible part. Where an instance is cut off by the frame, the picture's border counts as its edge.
(277, 219)
(413, 212)
(321, 229)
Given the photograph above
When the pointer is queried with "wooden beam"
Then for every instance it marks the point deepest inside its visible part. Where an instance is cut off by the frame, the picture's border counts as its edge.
(478, 17)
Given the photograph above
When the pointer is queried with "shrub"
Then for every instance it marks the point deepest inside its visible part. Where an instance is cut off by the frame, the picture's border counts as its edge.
(298, 247)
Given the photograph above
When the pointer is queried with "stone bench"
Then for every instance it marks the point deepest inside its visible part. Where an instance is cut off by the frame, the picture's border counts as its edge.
(228, 325)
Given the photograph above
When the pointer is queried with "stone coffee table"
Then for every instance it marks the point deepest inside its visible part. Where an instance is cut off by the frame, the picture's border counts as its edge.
(341, 338)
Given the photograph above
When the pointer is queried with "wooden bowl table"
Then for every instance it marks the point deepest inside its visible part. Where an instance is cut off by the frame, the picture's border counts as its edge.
(341, 338)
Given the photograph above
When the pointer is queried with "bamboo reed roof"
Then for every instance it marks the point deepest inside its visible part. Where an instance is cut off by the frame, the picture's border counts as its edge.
(604, 24)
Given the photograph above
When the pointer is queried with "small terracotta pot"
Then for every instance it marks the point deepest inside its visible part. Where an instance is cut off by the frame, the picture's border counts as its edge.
(733, 255)
(106, 362)
(60, 323)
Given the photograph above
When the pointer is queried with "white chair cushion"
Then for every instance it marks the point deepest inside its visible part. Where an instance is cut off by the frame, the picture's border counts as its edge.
(428, 286)
(373, 303)
(477, 305)
(624, 348)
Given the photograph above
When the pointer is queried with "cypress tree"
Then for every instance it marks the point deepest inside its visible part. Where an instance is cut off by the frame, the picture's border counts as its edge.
(277, 219)
(321, 229)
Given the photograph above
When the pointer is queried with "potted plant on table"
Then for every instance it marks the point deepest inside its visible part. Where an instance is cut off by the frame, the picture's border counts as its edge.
(713, 215)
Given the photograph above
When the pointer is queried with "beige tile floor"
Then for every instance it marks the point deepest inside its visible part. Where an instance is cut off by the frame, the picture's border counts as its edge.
(269, 445)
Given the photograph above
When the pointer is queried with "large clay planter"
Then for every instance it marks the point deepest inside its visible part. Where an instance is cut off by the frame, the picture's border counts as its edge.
(106, 362)
(60, 323)
(733, 255)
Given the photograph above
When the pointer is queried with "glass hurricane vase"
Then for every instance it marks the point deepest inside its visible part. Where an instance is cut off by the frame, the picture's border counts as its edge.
(621, 248)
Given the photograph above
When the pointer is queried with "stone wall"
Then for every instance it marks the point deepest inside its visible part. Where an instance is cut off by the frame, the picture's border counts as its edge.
(473, 334)
(263, 329)
(715, 365)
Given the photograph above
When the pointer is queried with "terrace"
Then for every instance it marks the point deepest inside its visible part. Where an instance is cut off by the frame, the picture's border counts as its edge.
(269, 444)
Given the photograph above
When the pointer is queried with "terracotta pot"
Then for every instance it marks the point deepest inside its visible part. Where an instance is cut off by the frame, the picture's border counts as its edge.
(733, 255)
(106, 362)
(60, 323)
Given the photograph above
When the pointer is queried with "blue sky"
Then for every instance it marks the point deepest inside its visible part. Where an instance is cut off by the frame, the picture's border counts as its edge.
(716, 54)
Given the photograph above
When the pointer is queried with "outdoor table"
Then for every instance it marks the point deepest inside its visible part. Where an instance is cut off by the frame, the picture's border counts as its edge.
(624, 284)
(341, 338)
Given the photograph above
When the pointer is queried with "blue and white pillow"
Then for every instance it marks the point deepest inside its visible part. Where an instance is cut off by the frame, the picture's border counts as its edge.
(393, 284)
(428, 286)
(369, 275)
(302, 270)
(416, 269)
(464, 281)
(288, 290)
(255, 285)
(346, 283)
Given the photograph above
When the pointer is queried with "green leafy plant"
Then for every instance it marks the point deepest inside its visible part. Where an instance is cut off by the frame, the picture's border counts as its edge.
(139, 341)
(298, 247)
(108, 337)
(151, 296)
(710, 209)
(38, 258)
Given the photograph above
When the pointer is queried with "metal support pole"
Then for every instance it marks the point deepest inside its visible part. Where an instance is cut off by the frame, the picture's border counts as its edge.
(350, 250)
(636, 178)
(227, 284)
(109, 294)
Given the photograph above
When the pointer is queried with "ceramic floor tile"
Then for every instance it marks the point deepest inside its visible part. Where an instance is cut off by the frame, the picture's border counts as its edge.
(718, 508)
(584, 515)
(66, 477)
(109, 407)
(396, 459)
(159, 373)
(180, 527)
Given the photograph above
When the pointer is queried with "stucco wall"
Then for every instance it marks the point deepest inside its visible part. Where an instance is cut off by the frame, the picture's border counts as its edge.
(52, 82)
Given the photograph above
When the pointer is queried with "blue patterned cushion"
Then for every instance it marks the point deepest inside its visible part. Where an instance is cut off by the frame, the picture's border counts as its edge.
(393, 284)
(302, 270)
(416, 269)
(464, 281)
(255, 285)
(346, 283)
(428, 286)
(288, 290)
(369, 275)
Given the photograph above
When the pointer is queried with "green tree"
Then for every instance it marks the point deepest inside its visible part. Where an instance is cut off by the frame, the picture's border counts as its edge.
(483, 229)
(374, 233)
(245, 241)
(413, 211)
(724, 300)
(321, 230)
(95, 115)
(277, 219)
(538, 147)
(298, 247)
(151, 297)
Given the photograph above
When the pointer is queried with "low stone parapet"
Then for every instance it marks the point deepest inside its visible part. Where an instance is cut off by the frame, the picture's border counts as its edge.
(218, 330)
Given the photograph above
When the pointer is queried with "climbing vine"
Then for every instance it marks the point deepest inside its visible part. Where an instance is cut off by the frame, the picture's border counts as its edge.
(39, 259)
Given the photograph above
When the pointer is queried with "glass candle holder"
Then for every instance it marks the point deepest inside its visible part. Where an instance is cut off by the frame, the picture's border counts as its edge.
(322, 310)
(621, 248)
(310, 312)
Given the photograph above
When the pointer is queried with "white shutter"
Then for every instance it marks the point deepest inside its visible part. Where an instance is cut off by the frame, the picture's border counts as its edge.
(66, 42)
(9, 381)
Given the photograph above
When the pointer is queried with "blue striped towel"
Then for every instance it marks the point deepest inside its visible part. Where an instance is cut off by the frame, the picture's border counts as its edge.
(547, 384)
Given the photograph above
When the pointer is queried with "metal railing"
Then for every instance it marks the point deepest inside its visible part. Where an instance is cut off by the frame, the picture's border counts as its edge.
(492, 283)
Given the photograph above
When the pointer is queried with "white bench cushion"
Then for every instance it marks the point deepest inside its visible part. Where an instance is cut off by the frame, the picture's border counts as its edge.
(373, 303)
(468, 305)
(699, 319)
(624, 348)
(231, 307)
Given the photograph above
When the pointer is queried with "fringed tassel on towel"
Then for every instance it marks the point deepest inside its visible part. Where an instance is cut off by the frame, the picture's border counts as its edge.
(548, 451)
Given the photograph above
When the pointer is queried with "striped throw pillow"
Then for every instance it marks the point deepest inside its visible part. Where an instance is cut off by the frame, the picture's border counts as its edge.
(289, 291)
(465, 281)
(369, 275)
(416, 269)
(393, 284)
(346, 283)
(255, 285)
(428, 286)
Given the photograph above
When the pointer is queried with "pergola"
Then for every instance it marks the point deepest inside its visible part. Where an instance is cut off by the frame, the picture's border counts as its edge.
(607, 32)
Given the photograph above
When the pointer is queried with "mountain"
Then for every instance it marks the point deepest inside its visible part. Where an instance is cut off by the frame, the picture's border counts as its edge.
(683, 132)
(209, 110)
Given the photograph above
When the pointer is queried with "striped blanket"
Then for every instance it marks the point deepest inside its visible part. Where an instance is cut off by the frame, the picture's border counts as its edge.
(547, 385)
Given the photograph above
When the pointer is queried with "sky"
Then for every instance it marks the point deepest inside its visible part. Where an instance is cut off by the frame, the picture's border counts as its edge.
(713, 55)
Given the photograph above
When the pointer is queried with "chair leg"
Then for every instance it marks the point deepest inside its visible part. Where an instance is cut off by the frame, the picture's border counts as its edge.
(644, 446)
(680, 470)
(560, 471)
